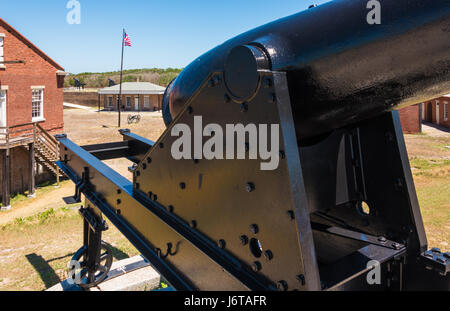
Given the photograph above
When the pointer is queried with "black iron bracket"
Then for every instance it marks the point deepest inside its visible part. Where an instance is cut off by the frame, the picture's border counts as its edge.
(358, 236)
(94, 222)
(434, 259)
(80, 184)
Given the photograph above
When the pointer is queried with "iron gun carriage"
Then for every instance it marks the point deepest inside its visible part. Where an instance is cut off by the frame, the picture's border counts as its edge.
(341, 201)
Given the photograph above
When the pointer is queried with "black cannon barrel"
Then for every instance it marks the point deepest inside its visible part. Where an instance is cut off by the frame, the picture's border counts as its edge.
(340, 68)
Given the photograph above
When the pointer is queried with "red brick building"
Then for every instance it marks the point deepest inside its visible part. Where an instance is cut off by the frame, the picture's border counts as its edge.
(31, 107)
(411, 119)
(39, 76)
(437, 111)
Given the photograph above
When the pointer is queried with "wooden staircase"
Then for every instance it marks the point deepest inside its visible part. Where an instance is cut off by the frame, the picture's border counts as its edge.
(46, 151)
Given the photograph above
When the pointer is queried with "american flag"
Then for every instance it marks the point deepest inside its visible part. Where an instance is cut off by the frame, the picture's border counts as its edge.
(127, 40)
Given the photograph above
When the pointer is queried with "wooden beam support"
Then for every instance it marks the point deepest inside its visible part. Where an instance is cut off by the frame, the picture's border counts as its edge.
(6, 180)
(32, 170)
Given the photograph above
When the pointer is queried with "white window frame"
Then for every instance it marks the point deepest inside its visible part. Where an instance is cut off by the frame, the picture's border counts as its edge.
(41, 104)
(445, 111)
(147, 102)
(3, 108)
(109, 101)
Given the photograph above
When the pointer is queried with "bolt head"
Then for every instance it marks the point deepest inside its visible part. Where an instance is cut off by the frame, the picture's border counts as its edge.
(182, 185)
(282, 285)
(256, 266)
(301, 279)
(268, 255)
(244, 107)
(395, 245)
(244, 240)
(291, 214)
(250, 187)
(254, 229)
(221, 244)
(382, 239)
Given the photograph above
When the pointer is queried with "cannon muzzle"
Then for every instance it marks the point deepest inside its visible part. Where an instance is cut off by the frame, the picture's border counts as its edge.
(341, 69)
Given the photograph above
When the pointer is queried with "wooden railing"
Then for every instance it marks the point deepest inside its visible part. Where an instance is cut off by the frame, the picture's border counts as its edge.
(17, 133)
(45, 145)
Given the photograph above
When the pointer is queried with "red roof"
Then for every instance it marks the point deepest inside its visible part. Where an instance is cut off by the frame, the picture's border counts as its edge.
(31, 45)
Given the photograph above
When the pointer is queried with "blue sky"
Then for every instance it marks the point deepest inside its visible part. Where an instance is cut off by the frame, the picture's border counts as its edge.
(163, 33)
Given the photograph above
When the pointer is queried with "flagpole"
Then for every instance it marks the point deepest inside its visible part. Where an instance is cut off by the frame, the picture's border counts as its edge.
(121, 71)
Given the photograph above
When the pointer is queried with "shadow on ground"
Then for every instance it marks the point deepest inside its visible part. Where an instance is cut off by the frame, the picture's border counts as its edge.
(49, 276)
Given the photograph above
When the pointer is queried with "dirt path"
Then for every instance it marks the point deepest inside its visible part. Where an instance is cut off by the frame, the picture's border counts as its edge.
(51, 199)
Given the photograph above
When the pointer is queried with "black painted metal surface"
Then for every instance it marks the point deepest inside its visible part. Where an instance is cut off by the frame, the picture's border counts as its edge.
(341, 69)
(336, 202)
(214, 195)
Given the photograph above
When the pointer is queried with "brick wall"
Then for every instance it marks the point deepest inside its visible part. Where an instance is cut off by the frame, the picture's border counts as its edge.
(444, 104)
(20, 77)
(432, 112)
(410, 119)
(81, 98)
(17, 80)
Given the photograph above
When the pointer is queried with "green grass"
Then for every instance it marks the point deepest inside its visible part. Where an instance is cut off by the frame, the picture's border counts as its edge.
(42, 218)
(425, 164)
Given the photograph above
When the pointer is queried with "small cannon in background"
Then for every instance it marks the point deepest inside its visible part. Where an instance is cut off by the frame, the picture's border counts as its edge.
(78, 84)
(342, 200)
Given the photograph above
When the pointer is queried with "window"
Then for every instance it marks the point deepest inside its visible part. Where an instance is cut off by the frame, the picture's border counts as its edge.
(146, 102)
(2, 109)
(445, 111)
(38, 104)
(110, 101)
(128, 101)
(1, 49)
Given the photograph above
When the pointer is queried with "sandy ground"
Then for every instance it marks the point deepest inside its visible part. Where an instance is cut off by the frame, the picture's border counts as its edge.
(433, 143)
